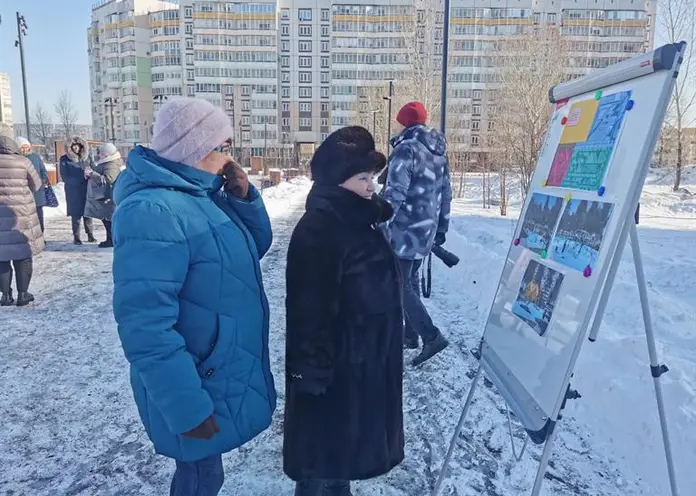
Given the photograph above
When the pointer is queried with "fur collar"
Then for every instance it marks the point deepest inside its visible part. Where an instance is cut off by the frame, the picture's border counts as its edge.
(114, 157)
(72, 155)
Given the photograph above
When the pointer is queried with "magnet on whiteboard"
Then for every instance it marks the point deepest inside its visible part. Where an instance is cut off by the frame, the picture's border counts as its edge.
(598, 95)
(516, 242)
(543, 254)
(601, 191)
(563, 121)
(587, 272)
(630, 104)
(568, 197)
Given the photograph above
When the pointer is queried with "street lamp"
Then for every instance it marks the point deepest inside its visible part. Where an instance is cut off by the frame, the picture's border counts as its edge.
(110, 103)
(19, 42)
(389, 110)
(374, 123)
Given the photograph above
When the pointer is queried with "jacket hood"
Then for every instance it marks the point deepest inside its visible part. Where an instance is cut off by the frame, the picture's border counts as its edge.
(8, 146)
(146, 169)
(431, 138)
(72, 155)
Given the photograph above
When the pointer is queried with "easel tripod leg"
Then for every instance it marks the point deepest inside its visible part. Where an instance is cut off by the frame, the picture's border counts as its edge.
(544, 462)
(460, 424)
(656, 369)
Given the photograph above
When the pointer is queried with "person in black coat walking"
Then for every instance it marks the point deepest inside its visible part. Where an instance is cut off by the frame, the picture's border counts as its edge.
(75, 169)
(344, 335)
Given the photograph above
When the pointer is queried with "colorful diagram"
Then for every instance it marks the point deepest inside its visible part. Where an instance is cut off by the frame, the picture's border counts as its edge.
(537, 296)
(587, 142)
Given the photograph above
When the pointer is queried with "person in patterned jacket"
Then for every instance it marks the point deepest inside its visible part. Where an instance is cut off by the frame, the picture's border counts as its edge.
(419, 191)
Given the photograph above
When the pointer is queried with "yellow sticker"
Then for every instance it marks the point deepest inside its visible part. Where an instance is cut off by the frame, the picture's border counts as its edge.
(580, 119)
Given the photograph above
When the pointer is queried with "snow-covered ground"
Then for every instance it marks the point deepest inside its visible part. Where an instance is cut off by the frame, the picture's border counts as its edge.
(69, 425)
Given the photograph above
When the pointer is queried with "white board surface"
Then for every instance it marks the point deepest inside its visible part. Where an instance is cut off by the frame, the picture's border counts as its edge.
(571, 227)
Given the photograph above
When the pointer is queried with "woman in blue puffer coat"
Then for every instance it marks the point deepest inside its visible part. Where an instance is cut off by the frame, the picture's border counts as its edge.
(192, 315)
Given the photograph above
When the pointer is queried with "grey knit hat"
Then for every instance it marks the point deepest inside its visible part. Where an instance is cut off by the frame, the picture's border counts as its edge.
(188, 129)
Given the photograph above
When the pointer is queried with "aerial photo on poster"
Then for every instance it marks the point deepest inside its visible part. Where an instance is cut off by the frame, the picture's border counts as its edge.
(580, 233)
(540, 221)
(537, 296)
(586, 147)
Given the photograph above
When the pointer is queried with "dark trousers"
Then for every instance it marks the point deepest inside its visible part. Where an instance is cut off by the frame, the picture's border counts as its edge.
(107, 226)
(89, 227)
(202, 478)
(23, 270)
(409, 331)
(39, 212)
(322, 487)
(416, 315)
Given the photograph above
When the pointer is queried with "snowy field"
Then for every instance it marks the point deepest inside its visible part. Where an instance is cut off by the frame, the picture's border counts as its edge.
(70, 426)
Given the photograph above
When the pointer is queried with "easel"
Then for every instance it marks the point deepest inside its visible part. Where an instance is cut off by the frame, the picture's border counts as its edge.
(656, 369)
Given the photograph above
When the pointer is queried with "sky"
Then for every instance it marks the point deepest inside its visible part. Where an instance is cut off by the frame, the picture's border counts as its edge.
(55, 53)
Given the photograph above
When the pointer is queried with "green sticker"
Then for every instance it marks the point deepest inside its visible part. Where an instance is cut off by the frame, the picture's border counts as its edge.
(543, 254)
(598, 95)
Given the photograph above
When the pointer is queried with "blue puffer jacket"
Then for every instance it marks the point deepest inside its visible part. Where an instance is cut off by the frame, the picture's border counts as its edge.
(190, 306)
(419, 190)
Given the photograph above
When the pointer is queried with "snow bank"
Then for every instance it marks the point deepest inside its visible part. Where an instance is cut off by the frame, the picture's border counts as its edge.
(279, 199)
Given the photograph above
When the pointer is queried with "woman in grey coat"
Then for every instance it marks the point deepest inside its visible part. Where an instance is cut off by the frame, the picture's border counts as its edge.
(35, 159)
(20, 233)
(101, 178)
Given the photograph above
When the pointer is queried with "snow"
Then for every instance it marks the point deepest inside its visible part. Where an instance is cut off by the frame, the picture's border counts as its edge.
(70, 425)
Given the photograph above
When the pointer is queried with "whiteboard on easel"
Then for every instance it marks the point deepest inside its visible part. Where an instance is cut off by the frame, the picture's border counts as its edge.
(584, 191)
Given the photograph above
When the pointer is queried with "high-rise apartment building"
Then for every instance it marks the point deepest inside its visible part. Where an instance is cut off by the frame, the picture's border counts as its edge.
(5, 99)
(288, 72)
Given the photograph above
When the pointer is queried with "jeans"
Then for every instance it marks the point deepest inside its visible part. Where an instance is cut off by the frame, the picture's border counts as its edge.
(39, 212)
(322, 487)
(415, 313)
(89, 230)
(23, 270)
(202, 478)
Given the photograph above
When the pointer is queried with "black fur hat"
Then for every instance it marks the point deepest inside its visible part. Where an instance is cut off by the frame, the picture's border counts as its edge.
(345, 153)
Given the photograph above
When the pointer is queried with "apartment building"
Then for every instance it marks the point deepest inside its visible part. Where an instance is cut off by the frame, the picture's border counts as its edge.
(5, 99)
(288, 72)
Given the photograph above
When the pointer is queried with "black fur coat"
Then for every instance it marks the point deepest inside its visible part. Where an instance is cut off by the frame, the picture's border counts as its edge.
(344, 348)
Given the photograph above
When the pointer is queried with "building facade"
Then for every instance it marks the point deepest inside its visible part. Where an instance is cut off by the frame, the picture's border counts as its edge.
(288, 72)
(5, 99)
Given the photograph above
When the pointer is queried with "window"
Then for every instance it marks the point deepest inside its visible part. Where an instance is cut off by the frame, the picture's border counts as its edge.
(188, 12)
(324, 122)
(305, 77)
(551, 18)
(324, 92)
(284, 61)
(304, 46)
(189, 44)
(191, 90)
(325, 30)
(284, 46)
(325, 77)
(324, 46)
(305, 106)
(285, 29)
(475, 125)
(245, 120)
(285, 14)
(478, 94)
(325, 14)
(305, 62)
(537, 18)
(304, 14)
(286, 122)
(474, 141)
(285, 92)
(324, 107)
(306, 122)
(188, 28)
(305, 92)
(246, 105)
(324, 136)
(285, 77)
(325, 62)
(246, 90)
(305, 30)
(190, 74)
(286, 107)
(189, 59)
(491, 125)
(246, 136)
(476, 110)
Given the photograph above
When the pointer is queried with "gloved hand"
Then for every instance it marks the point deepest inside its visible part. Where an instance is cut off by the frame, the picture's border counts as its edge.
(236, 180)
(204, 431)
(440, 239)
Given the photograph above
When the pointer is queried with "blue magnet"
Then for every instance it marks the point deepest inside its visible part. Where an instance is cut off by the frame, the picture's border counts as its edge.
(601, 191)
(629, 104)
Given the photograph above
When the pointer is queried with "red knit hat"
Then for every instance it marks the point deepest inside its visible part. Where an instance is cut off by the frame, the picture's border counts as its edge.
(411, 114)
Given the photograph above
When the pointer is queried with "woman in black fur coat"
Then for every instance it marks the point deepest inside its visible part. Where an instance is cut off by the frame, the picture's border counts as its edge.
(344, 348)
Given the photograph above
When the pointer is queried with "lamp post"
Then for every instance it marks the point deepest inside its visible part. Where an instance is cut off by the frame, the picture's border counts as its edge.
(389, 111)
(19, 42)
(445, 57)
(110, 103)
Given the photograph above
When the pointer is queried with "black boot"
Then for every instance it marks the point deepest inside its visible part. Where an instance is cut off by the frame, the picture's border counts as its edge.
(430, 349)
(411, 342)
(6, 299)
(91, 238)
(77, 240)
(23, 299)
(106, 244)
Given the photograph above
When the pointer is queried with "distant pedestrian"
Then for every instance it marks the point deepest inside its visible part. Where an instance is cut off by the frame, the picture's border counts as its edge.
(344, 332)
(37, 162)
(189, 231)
(75, 167)
(101, 178)
(418, 189)
(20, 232)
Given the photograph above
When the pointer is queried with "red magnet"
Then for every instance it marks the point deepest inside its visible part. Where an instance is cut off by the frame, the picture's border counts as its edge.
(587, 272)
(563, 121)
(516, 242)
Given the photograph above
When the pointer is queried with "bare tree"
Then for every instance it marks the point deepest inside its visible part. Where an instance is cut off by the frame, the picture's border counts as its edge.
(43, 125)
(678, 22)
(67, 113)
(529, 65)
